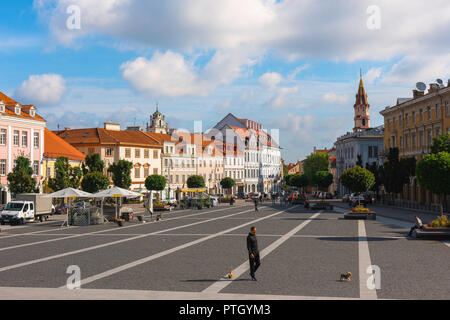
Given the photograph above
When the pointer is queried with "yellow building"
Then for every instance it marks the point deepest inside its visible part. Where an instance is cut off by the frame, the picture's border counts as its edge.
(411, 125)
(55, 147)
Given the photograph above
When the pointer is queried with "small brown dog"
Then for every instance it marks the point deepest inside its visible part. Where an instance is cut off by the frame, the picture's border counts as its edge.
(230, 275)
(346, 276)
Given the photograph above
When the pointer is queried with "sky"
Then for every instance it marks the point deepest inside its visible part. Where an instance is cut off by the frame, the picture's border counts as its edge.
(292, 65)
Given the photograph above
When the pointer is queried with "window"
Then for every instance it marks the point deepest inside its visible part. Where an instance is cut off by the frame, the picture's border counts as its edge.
(137, 153)
(413, 117)
(429, 113)
(36, 140)
(109, 152)
(127, 153)
(49, 172)
(17, 110)
(32, 112)
(146, 172)
(137, 172)
(370, 152)
(3, 137)
(438, 111)
(375, 151)
(16, 138)
(406, 120)
(421, 139)
(414, 140)
(36, 167)
(421, 114)
(2, 167)
(155, 154)
(24, 139)
(2, 106)
(146, 153)
(407, 141)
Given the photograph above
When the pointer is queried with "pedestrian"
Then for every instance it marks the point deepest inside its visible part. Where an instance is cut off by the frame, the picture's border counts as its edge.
(256, 204)
(281, 200)
(231, 201)
(417, 225)
(253, 252)
(260, 198)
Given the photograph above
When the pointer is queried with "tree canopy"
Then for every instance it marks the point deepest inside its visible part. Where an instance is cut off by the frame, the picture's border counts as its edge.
(395, 173)
(155, 182)
(315, 162)
(121, 173)
(299, 181)
(433, 174)
(62, 176)
(94, 182)
(195, 182)
(323, 179)
(357, 179)
(441, 143)
(227, 183)
(20, 180)
(93, 163)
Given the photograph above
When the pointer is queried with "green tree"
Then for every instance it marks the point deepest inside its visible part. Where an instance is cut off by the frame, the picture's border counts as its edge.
(323, 179)
(94, 182)
(357, 179)
(121, 173)
(62, 174)
(394, 174)
(76, 174)
(227, 183)
(155, 182)
(441, 143)
(20, 180)
(376, 171)
(195, 182)
(433, 174)
(313, 163)
(287, 179)
(93, 163)
(299, 181)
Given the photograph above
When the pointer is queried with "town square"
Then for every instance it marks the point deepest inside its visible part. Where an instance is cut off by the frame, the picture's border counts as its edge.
(191, 151)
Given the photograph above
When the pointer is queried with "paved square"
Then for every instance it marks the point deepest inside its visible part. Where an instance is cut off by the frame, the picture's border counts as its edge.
(188, 253)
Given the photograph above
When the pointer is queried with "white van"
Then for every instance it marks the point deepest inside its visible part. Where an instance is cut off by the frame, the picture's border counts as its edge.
(17, 212)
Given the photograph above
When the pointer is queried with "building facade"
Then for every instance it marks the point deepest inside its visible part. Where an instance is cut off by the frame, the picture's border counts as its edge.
(114, 144)
(411, 124)
(21, 134)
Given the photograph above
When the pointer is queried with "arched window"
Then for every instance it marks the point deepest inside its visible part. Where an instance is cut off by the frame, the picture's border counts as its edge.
(363, 122)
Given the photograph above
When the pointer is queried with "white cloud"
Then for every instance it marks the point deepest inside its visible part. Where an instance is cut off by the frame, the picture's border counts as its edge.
(170, 74)
(372, 75)
(45, 89)
(331, 98)
(283, 98)
(270, 80)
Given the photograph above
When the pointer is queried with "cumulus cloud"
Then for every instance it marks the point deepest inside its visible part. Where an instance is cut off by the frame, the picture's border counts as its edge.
(372, 75)
(333, 98)
(283, 98)
(45, 89)
(170, 74)
(270, 80)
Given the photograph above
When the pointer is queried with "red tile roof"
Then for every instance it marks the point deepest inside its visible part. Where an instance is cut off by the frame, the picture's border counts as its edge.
(10, 105)
(55, 147)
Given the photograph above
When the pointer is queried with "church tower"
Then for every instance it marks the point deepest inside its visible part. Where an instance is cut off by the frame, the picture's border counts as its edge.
(158, 123)
(362, 117)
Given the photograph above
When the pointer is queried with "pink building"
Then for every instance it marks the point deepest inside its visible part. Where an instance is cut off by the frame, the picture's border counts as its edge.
(21, 134)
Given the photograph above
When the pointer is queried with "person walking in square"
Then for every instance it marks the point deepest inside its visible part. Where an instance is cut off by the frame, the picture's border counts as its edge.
(253, 252)
(256, 204)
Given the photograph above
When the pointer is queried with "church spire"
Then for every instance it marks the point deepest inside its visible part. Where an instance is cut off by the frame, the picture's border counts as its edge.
(362, 118)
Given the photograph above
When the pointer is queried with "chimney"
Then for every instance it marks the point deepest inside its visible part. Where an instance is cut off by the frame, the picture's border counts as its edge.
(67, 128)
(112, 126)
(417, 94)
(434, 87)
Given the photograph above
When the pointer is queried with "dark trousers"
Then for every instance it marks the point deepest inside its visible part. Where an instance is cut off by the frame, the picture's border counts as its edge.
(256, 208)
(254, 264)
(412, 229)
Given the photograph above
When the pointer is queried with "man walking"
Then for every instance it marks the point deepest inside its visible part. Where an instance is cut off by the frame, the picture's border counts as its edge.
(253, 252)
(256, 204)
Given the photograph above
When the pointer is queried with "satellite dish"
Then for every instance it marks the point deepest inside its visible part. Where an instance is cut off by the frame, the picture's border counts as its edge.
(421, 86)
(440, 82)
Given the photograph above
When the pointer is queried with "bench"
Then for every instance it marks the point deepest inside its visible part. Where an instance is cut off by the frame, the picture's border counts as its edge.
(432, 234)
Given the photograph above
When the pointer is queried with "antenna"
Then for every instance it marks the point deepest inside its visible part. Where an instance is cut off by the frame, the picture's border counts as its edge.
(420, 86)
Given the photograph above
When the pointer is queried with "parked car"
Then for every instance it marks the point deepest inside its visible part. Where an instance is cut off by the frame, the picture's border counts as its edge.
(242, 195)
(62, 209)
(355, 200)
(368, 199)
(346, 197)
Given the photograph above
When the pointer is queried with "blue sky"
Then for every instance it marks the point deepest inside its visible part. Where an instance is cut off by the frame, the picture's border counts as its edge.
(293, 65)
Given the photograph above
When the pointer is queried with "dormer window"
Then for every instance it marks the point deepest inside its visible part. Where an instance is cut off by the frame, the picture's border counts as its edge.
(32, 112)
(17, 109)
(2, 106)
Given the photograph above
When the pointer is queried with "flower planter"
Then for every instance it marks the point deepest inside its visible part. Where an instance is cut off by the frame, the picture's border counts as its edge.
(360, 215)
(441, 233)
